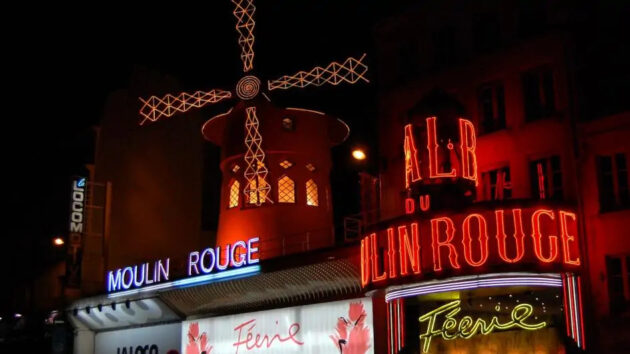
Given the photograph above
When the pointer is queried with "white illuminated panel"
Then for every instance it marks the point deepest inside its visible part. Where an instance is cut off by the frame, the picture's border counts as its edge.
(153, 339)
(334, 327)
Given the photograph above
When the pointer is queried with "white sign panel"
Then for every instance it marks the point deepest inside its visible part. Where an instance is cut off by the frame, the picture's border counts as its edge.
(334, 327)
(164, 339)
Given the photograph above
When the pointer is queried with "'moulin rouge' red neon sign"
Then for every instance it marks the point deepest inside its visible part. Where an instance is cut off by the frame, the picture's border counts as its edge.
(471, 242)
(437, 242)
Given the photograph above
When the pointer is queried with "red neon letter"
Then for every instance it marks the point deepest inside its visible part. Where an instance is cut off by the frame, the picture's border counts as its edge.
(537, 236)
(409, 250)
(365, 261)
(432, 146)
(482, 240)
(468, 144)
(436, 243)
(519, 235)
(425, 202)
(566, 238)
(410, 205)
(391, 252)
(374, 250)
(412, 167)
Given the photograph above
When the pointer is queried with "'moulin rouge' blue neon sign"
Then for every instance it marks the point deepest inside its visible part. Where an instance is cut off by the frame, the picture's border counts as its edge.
(211, 264)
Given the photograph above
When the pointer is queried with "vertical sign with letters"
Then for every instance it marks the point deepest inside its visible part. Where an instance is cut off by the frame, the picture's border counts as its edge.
(76, 225)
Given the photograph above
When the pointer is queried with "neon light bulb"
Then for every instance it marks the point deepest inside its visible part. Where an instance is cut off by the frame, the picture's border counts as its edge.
(541, 180)
(482, 240)
(409, 250)
(412, 166)
(479, 281)
(425, 202)
(376, 276)
(391, 252)
(537, 236)
(468, 145)
(433, 147)
(365, 261)
(519, 235)
(390, 334)
(410, 205)
(579, 283)
(566, 238)
(436, 244)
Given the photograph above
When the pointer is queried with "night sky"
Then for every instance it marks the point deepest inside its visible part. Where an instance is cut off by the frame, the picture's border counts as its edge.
(64, 61)
(61, 61)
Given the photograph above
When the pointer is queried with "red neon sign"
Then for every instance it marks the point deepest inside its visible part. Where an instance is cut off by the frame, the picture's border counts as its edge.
(459, 156)
(465, 242)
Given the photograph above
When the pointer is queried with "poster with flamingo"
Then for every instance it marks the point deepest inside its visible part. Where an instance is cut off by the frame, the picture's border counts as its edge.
(344, 327)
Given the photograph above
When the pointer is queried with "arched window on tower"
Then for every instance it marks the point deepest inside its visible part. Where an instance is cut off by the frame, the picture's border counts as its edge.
(312, 197)
(263, 189)
(234, 194)
(286, 190)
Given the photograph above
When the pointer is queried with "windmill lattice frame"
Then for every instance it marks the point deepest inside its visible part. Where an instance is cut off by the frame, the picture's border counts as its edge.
(257, 188)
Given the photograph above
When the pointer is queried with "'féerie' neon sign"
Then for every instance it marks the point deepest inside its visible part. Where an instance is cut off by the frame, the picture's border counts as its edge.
(466, 327)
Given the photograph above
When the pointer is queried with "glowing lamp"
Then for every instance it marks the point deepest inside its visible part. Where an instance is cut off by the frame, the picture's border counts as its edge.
(58, 241)
(358, 154)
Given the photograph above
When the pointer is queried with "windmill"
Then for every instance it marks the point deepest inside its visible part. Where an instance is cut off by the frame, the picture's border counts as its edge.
(351, 70)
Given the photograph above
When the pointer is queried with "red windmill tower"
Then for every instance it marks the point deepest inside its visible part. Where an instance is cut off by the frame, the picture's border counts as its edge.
(275, 161)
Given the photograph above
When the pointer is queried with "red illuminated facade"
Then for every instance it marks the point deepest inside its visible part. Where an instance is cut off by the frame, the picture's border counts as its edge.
(550, 189)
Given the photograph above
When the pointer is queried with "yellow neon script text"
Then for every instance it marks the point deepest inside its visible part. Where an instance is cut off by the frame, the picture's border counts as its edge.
(467, 327)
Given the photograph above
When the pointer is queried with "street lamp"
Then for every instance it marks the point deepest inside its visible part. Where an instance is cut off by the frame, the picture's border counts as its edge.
(58, 241)
(358, 154)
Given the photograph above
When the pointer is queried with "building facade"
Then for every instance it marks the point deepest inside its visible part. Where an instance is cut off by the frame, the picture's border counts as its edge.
(494, 223)
(516, 71)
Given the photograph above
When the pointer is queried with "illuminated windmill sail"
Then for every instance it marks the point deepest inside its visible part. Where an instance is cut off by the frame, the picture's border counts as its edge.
(351, 70)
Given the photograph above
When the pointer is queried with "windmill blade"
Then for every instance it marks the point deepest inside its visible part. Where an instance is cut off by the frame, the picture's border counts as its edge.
(244, 13)
(155, 107)
(257, 189)
(351, 71)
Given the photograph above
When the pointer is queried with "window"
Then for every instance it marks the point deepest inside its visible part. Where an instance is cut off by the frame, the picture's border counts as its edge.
(445, 47)
(546, 178)
(531, 17)
(491, 107)
(312, 197)
(234, 194)
(285, 164)
(618, 270)
(538, 94)
(257, 196)
(486, 32)
(288, 124)
(496, 184)
(612, 176)
(310, 167)
(408, 59)
(286, 190)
